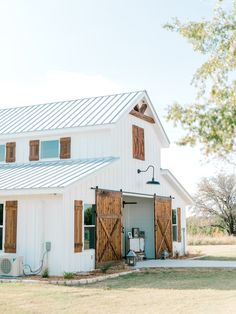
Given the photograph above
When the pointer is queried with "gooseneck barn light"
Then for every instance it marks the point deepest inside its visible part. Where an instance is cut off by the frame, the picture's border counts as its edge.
(153, 181)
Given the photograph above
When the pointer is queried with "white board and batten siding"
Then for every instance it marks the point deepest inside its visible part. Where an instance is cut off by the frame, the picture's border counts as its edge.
(40, 219)
(50, 217)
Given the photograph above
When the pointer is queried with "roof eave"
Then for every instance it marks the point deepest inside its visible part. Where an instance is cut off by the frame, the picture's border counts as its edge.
(39, 191)
(165, 139)
(172, 179)
(62, 131)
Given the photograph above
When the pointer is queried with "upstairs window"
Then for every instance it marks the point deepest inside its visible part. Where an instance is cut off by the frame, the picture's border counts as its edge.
(49, 149)
(89, 226)
(138, 143)
(2, 153)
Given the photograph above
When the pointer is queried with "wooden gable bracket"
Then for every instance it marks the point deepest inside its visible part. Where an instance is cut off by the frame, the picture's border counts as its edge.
(138, 112)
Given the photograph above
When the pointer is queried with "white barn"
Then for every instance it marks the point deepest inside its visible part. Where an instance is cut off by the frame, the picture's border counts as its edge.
(68, 176)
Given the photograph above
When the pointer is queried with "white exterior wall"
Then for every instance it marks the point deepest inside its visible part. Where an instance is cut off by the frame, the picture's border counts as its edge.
(40, 220)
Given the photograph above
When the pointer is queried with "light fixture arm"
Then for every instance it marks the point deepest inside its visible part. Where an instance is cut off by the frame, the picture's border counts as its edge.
(150, 166)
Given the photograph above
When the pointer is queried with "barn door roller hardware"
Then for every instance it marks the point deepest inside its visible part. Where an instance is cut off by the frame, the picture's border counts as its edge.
(152, 181)
(129, 203)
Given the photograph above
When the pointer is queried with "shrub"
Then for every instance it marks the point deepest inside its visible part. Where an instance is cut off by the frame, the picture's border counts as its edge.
(45, 273)
(68, 275)
(105, 267)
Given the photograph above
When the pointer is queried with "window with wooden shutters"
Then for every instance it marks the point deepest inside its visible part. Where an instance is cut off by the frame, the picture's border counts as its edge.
(34, 150)
(11, 152)
(65, 147)
(10, 227)
(78, 224)
(138, 143)
(179, 224)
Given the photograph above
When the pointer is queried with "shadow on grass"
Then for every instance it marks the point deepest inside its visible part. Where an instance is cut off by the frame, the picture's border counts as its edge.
(184, 279)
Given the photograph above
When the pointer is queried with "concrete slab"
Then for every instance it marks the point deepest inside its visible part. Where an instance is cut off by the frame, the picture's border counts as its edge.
(171, 263)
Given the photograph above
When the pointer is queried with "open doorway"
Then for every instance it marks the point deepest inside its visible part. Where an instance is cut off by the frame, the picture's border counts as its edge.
(138, 223)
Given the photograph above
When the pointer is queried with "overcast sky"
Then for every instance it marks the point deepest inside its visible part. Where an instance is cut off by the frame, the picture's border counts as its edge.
(67, 49)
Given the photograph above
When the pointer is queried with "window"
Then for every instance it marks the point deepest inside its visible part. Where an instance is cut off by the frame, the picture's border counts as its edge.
(89, 226)
(49, 149)
(174, 225)
(1, 227)
(2, 153)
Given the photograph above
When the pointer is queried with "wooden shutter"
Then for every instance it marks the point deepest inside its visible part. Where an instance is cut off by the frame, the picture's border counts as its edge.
(179, 224)
(34, 150)
(78, 226)
(138, 143)
(10, 226)
(65, 147)
(11, 152)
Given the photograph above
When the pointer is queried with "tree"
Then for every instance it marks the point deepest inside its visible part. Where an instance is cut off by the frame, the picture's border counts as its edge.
(216, 198)
(211, 119)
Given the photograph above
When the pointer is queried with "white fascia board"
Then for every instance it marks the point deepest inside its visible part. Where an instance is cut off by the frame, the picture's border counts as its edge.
(56, 132)
(176, 184)
(164, 140)
(29, 192)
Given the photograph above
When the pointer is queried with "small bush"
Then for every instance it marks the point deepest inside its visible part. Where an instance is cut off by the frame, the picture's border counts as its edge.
(68, 275)
(45, 273)
(104, 268)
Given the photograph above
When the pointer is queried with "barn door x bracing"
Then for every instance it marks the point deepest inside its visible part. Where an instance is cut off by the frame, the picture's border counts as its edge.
(108, 226)
(163, 225)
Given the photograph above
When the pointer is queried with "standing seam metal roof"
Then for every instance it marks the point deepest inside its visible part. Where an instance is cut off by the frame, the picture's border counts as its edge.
(48, 174)
(66, 114)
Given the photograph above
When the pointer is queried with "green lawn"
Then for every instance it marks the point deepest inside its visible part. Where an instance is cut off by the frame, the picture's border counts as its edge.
(152, 291)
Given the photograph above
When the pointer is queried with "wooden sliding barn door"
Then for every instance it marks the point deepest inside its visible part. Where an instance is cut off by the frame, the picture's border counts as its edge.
(108, 226)
(163, 225)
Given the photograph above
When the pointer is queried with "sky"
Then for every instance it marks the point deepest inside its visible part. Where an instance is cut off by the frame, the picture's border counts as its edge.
(66, 49)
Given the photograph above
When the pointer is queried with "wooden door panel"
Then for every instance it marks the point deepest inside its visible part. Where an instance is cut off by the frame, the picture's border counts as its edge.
(163, 225)
(108, 226)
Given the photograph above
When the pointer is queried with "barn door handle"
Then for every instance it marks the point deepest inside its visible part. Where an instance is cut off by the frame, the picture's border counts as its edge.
(122, 229)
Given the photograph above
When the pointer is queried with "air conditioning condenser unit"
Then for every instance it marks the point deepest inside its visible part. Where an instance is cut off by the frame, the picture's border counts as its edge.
(11, 266)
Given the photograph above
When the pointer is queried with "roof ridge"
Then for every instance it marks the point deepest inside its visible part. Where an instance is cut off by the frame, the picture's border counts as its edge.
(71, 100)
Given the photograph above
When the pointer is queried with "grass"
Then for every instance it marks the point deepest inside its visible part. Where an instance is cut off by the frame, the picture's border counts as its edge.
(214, 252)
(217, 239)
(152, 291)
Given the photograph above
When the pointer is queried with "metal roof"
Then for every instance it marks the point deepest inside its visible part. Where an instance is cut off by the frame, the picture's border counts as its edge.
(48, 174)
(66, 114)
